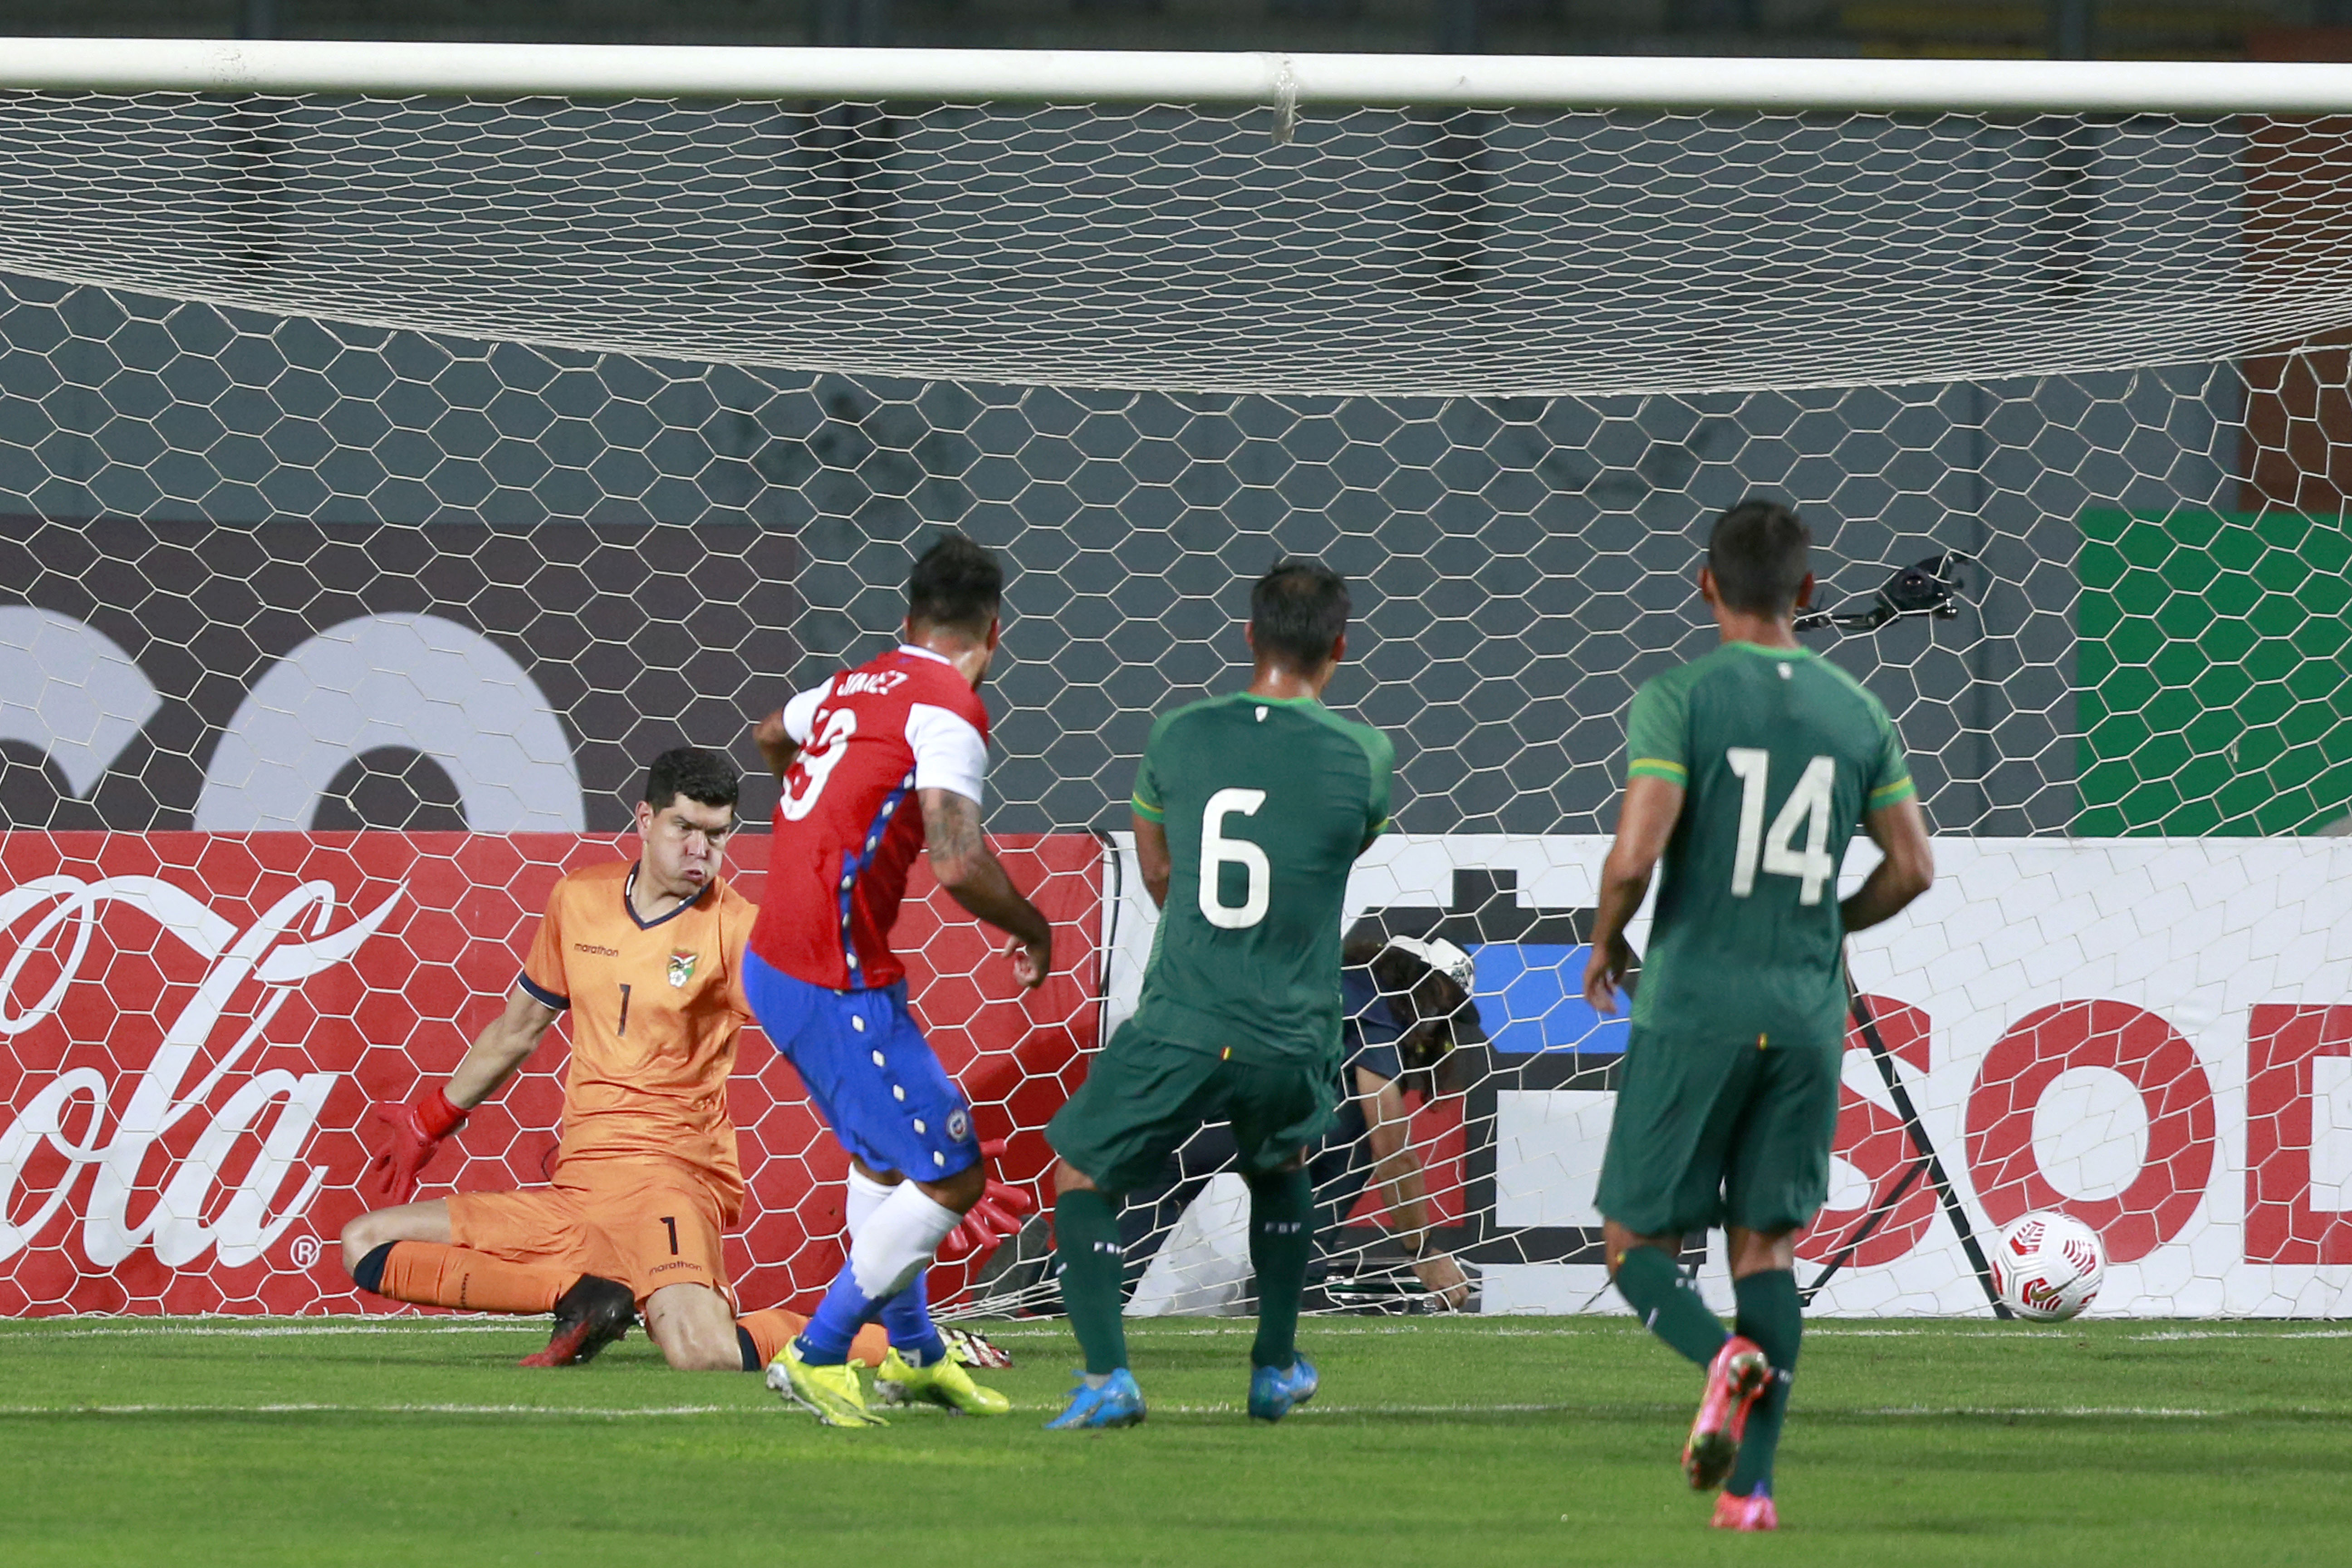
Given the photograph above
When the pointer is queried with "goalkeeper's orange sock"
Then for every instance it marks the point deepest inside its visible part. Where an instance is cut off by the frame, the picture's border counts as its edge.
(763, 1335)
(433, 1274)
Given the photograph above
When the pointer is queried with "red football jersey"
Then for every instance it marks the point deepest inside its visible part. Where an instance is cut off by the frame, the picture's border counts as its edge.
(847, 826)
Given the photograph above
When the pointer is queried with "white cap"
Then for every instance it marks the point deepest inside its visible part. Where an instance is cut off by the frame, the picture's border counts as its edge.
(1439, 954)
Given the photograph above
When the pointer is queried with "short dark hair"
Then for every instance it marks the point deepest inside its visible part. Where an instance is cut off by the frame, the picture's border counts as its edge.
(1297, 611)
(704, 777)
(1758, 554)
(955, 584)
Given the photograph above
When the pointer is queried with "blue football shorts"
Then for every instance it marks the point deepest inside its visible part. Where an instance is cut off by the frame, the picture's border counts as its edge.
(874, 1077)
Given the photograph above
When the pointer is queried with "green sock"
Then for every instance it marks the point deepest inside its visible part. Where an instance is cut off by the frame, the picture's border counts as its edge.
(1281, 1237)
(1652, 1283)
(1086, 1244)
(1770, 1314)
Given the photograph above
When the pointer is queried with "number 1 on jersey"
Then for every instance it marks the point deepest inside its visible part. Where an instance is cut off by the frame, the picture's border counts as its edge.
(1809, 803)
(1217, 851)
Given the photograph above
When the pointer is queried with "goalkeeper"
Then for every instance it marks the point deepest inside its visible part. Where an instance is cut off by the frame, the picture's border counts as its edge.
(1249, 811)
(1749, 772)
(647, 957)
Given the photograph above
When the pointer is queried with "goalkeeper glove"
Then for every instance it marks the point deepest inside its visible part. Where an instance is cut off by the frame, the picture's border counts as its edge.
(994, 1217)
(417, 1129)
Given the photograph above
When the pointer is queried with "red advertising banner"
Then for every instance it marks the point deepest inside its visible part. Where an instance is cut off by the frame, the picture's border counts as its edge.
(195, 1027)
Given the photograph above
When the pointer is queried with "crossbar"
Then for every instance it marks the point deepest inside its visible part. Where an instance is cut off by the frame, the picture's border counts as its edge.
(288, 66)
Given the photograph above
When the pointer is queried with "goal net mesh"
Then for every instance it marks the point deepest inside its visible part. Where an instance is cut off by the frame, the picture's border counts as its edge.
(386, 481)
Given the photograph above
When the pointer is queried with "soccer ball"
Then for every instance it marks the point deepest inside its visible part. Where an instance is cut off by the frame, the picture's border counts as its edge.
(2048, 1266)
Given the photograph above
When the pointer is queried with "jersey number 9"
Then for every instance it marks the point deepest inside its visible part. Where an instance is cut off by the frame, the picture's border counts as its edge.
(817, 761)
(1217, 852)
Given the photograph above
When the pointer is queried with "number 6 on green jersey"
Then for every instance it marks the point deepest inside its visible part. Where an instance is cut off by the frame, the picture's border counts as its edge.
(1217, 850)
(1267, 803)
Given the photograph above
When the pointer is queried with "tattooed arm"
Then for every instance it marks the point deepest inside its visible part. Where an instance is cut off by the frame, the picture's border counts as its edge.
(970, 871)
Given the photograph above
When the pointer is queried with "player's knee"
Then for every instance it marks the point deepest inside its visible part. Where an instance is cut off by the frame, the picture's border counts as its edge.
(961, 1191)
(694, 1329)
(700, 1352)
(1068, 1178)
(1616, 1241)
(1759, 1252)
(360, 1238)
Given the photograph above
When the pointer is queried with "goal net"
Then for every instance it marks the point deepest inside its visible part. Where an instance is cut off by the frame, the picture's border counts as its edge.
(389, 472)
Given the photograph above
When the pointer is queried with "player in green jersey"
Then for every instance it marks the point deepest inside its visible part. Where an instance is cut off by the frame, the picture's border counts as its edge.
(1249, 811)
(1747, 772)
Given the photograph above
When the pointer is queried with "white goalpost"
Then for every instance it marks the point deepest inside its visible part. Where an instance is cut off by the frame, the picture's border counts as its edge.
(285, 66)
(398, 441)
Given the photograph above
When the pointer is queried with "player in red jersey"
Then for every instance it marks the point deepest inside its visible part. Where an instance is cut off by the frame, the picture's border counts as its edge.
(647, 957)
(879, 764)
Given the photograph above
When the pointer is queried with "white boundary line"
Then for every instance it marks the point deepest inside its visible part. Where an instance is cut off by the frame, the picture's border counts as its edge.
(2247, 1334)
(307, 1408)
(133, 1328)
(412, 1328)
(1283, 81)
(612, 1413)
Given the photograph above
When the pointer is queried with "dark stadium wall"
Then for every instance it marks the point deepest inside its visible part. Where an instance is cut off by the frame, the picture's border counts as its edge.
(666, 548)
(287, 675)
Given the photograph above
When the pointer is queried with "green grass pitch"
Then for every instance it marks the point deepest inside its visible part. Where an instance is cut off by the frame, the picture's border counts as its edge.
(1477, 1441)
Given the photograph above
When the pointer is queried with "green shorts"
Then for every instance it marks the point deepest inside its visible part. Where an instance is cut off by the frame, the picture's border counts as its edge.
(1712, 1133)
(1144, 1096)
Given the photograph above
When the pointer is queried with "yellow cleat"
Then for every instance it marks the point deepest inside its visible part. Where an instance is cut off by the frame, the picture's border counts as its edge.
(832, 1393)
(943, 1383)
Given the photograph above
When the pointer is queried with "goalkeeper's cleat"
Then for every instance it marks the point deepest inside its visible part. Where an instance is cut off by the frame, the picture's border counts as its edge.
(975, 1350)
(830, 1393)
(1274, 1391)
(1736, 1379)
(1119, 1402)
(943, 1383)
(591, 1315)
(1754, 1512)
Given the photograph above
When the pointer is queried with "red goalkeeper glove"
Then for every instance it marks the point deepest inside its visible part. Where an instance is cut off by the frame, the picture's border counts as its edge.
(991, 1220)
(417, 1129)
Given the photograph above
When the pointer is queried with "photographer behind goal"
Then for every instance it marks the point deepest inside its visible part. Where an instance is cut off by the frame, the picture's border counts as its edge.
(1406, 1006)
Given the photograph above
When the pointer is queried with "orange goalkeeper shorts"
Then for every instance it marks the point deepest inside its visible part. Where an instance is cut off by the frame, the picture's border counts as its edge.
(646, 1223)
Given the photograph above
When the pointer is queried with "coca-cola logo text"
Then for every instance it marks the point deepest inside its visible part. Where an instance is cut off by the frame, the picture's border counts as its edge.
(46, 931)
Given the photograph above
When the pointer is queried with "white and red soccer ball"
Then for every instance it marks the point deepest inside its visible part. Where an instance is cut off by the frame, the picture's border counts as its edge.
(2048, 1266)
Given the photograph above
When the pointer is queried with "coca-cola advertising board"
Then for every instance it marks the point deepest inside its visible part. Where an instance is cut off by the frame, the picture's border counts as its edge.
(196, 1026)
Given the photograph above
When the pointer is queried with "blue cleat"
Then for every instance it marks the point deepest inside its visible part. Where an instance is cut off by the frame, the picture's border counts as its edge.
(1274, 1391)
(1119, 1402)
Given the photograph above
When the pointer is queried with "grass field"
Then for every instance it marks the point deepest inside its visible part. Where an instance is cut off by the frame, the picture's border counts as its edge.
(1479, 1441)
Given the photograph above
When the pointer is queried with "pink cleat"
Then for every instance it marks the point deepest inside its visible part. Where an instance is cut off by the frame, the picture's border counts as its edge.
(1736, 1379)
(1752, 1512)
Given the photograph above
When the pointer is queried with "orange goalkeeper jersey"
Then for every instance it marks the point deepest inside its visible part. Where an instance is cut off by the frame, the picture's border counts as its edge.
(656, 1007)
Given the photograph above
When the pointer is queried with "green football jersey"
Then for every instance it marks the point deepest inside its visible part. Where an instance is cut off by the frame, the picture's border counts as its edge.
(1266, 804)
(1780, 753)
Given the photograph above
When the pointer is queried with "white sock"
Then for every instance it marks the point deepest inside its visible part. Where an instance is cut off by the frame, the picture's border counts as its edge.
(897, 1241)
(866, 1195)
